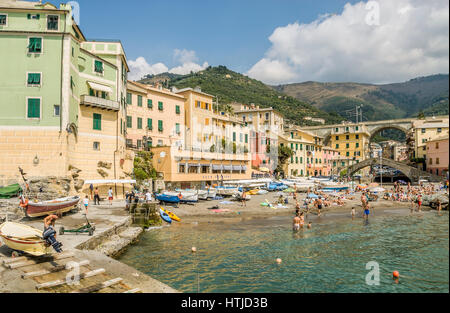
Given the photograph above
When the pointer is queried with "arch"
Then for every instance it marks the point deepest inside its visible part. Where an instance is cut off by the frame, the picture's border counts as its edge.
(388, 126)
(412, 173)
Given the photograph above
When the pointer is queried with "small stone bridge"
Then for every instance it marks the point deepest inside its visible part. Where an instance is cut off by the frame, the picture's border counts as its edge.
(412, 173)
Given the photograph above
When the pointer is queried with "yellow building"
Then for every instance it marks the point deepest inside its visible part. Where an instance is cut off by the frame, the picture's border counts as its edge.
(352, 142)
(155, 117)
(427, 130)
(215, 146)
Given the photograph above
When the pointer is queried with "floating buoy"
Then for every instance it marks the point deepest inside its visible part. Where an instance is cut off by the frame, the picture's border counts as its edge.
(395, 274)
(194, 249)
(279, 261)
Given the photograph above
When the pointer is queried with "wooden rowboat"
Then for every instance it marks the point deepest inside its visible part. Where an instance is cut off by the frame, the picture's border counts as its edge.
(56, 206)
(24, 238)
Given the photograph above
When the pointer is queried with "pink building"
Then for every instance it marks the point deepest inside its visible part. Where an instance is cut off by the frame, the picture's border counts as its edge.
(437, 156)
(330, 155)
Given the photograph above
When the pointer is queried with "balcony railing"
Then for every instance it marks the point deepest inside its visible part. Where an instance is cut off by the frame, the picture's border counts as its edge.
(100, 103)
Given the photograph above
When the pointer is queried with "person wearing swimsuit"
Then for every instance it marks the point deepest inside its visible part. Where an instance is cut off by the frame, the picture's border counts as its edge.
(302, 220)
(296, 225)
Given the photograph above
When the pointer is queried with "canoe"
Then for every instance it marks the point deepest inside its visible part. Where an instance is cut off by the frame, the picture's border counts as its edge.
(171, 215)
(167, 199)
(56, 206)
(10, 191)
(24, 238)
(165, 217)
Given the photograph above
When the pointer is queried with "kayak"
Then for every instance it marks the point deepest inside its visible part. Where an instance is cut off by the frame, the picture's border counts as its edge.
(171, 215)
(164, 216)
(10, 191)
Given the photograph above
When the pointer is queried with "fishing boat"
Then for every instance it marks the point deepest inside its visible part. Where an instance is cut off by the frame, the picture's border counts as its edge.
(227, 191)
(212, 192)
(186, 196)
(167, 198)
(10, 191)
(171, 215)
(24, 238)
(165, 216)
(56, 206)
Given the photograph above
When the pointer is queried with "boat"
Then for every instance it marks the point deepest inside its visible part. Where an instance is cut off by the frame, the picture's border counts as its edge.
(226, 191)
(56, 206)
(186, 196)
(10, 191)
(202, 194)
(167, 199)
(171, 215)
(24, 238)
(212, 192)
(276, 186)
(164, 216)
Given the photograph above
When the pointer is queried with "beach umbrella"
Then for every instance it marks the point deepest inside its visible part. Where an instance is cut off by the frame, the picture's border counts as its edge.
(313, 196)
(361, 186)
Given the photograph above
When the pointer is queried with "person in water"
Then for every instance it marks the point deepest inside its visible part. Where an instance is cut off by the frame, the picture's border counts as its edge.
(366, 211)
(302, 220)
(309, 225)
(319, 205)
(353, 212)
(296, 223)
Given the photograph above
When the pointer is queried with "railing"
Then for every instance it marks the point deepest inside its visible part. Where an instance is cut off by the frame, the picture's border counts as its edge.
(100, 103)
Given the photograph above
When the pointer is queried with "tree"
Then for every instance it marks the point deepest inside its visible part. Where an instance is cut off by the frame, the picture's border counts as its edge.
(284, 154)
(143, 169)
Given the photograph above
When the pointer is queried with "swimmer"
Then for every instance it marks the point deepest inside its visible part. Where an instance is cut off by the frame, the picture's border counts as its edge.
(366, 211)
(309, 225)
(319, 205)
(297, 221)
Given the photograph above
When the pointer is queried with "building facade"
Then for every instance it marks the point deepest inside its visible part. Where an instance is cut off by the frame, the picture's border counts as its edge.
(427, 130)
(60, 96)
(437, 155)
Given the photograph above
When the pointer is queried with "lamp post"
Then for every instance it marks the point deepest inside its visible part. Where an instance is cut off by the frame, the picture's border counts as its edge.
(381, 168)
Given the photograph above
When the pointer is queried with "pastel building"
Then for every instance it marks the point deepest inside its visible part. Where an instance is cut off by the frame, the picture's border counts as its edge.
(155, 117)
(215, 147)
(61, 104)
(266, 125)
(427, 130)
(437, 155)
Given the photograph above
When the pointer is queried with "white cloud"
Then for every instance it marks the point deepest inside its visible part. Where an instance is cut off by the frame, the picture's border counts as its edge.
(410, 40)
(185, 58)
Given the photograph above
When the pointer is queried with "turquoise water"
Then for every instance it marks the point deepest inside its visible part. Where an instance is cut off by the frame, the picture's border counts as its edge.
(330, 257)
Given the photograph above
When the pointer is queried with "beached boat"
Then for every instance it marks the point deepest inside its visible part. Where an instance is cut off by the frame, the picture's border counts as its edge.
(276, 186)
(186, 196)
(56, 206)
(24, 238)
(172, 216)
(167, 199)
(226, 191)
(165, 216)
(212, 192)
(10, 191)
(202, 194)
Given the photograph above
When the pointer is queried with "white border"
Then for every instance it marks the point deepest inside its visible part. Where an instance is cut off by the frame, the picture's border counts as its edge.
(40, 109)
(26, 79)
(42, 45)
(6, 25)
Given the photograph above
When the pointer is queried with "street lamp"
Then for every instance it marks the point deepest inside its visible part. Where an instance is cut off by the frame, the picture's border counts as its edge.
(381, 167)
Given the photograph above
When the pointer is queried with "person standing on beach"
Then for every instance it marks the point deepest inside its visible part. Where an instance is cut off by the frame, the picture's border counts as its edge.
(244, 195)
(91, 188)
(86, 203)
(110, 195)
(96, 197)
(148, 196)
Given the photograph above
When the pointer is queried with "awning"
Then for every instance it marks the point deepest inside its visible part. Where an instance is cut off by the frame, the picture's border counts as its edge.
(227, 168)
(236, 167)
(193, 165)
(100, 87)
(216, 167)
(110, 181)
(206, 165)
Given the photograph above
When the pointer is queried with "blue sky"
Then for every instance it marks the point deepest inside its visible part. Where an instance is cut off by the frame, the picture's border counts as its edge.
(278, 41)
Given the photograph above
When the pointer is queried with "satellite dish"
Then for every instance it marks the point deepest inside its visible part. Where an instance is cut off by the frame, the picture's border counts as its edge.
(162, 154)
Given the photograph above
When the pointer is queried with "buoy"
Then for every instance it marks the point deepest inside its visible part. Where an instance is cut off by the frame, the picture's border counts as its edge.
(395, 274)
(279, 261)
(194, 249)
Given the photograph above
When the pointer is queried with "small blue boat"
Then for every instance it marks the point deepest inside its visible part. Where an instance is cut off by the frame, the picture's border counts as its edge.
(165, 217)
(167, 198)
(337, 189)
(277, 187)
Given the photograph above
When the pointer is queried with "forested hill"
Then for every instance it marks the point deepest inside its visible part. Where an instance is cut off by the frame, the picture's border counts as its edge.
(427, 95)
(231, 87)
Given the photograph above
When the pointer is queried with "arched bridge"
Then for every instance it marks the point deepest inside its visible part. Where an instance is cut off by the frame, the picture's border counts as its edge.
(412, 173)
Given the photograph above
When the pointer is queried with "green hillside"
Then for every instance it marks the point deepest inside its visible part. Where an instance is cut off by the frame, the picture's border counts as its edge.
(424, 94)
(232, 87)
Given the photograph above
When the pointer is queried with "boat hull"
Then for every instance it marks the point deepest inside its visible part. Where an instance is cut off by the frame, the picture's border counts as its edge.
(47, 208)
(167, 198)
(212, 193)
(33, 245)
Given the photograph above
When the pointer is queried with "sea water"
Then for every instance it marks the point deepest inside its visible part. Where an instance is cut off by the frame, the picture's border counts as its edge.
(333, 256)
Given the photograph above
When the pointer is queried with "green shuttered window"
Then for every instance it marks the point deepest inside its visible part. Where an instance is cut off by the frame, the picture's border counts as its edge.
(52, 22)
(35, 45)
(129, 99)
(149, 103)
(160, 106)
(97, 121)
(177, 128)
(129, 122)
(34, 79)
(160, 126)
(34, 108)
(139, 101)
(2, 19)
(177, 109)
(149, 123)
(98, 67)
(139, 123)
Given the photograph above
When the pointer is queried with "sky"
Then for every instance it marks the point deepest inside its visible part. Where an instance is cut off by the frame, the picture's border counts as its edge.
(278, 41)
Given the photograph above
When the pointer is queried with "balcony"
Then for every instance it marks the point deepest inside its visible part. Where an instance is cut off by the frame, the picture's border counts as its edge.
(99, 103)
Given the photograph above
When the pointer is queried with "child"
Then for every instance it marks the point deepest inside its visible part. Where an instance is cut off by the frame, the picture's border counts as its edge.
(110, 195)
(86, 203)
(353, 212)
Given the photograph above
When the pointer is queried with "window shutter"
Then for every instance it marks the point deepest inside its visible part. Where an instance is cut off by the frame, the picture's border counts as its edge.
(34, 108)
(139, 101)
(160, 126)
(150, 123)
(129, 98)
(97, 121)
(160, 106)
(98, 66)
(149, 103)
(177, 109)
